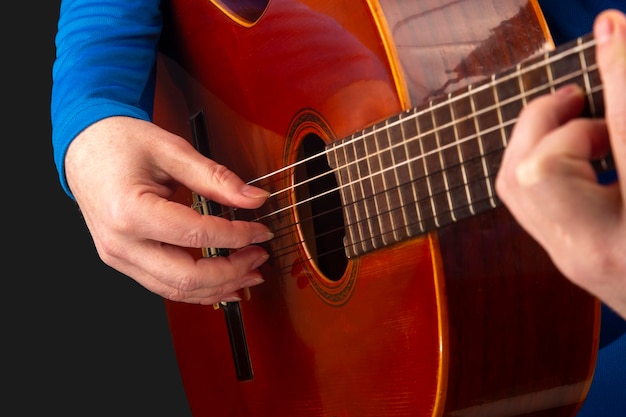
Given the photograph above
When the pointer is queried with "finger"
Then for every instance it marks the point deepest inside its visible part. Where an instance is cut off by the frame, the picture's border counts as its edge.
(541, 116)
(610, 33)
(565, 153)
(177, 275)
(208, 178)
(538, 118)
(161, 220)
(556, 195)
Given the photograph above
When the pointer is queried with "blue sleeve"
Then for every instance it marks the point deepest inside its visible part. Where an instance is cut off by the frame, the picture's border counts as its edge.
(104, 66)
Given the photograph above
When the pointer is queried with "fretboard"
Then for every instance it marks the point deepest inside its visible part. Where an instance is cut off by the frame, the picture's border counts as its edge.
(436, 164)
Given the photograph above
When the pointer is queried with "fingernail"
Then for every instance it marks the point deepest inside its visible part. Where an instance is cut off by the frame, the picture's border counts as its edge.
(254, 192)
(604, 29)
(252, 282)
(568, 90)
(230, 299)
(260, 261)
(262, 237)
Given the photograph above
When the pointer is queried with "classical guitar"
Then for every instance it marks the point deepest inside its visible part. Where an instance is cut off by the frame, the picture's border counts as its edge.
(398, 285)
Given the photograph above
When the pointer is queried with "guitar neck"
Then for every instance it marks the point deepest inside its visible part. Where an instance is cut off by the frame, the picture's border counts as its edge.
(436, 164)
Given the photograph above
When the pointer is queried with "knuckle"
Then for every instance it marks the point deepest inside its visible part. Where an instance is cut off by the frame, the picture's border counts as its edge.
(185, 288)
(609, 262)
(176, 295)
(109, 250)
(121, 216)
(220, 174)
(196, 238)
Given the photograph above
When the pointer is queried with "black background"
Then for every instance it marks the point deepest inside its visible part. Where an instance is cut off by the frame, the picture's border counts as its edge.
(79, 339)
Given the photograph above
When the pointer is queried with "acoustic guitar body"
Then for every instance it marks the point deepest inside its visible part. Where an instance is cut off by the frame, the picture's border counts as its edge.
(468, 319)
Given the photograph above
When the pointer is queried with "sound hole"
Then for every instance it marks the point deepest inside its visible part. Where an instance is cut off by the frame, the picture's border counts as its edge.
(320, 217)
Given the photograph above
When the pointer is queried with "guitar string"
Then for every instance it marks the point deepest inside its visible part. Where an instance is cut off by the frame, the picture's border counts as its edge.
(420, 135)
(287, 250)
(430, 219)
(433, 131)
(486, 201)
(479, 87)
(286, 209)
(421, 156)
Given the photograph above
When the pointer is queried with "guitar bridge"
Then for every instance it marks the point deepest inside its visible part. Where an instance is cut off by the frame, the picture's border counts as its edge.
(232, 310)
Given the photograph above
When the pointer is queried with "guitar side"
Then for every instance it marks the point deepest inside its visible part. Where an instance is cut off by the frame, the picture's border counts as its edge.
(471, 320)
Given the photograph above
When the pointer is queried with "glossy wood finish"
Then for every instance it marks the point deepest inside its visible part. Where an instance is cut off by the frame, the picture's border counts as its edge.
(472, 320)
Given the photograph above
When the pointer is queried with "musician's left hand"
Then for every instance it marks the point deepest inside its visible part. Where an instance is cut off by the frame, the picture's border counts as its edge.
(548, 183)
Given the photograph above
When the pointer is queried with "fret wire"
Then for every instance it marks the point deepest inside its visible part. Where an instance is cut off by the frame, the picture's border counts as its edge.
(412, 178)
(394, 174)
(369, 187)
(585, 71)
(357, 180)
(520, 84)
(457, 140)
(346, 192)
(379, 199)
(498, 111)
(376, 219)
(356, 212)
(427, 174)
(481, 148)
(444, 175)
(401, 195)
